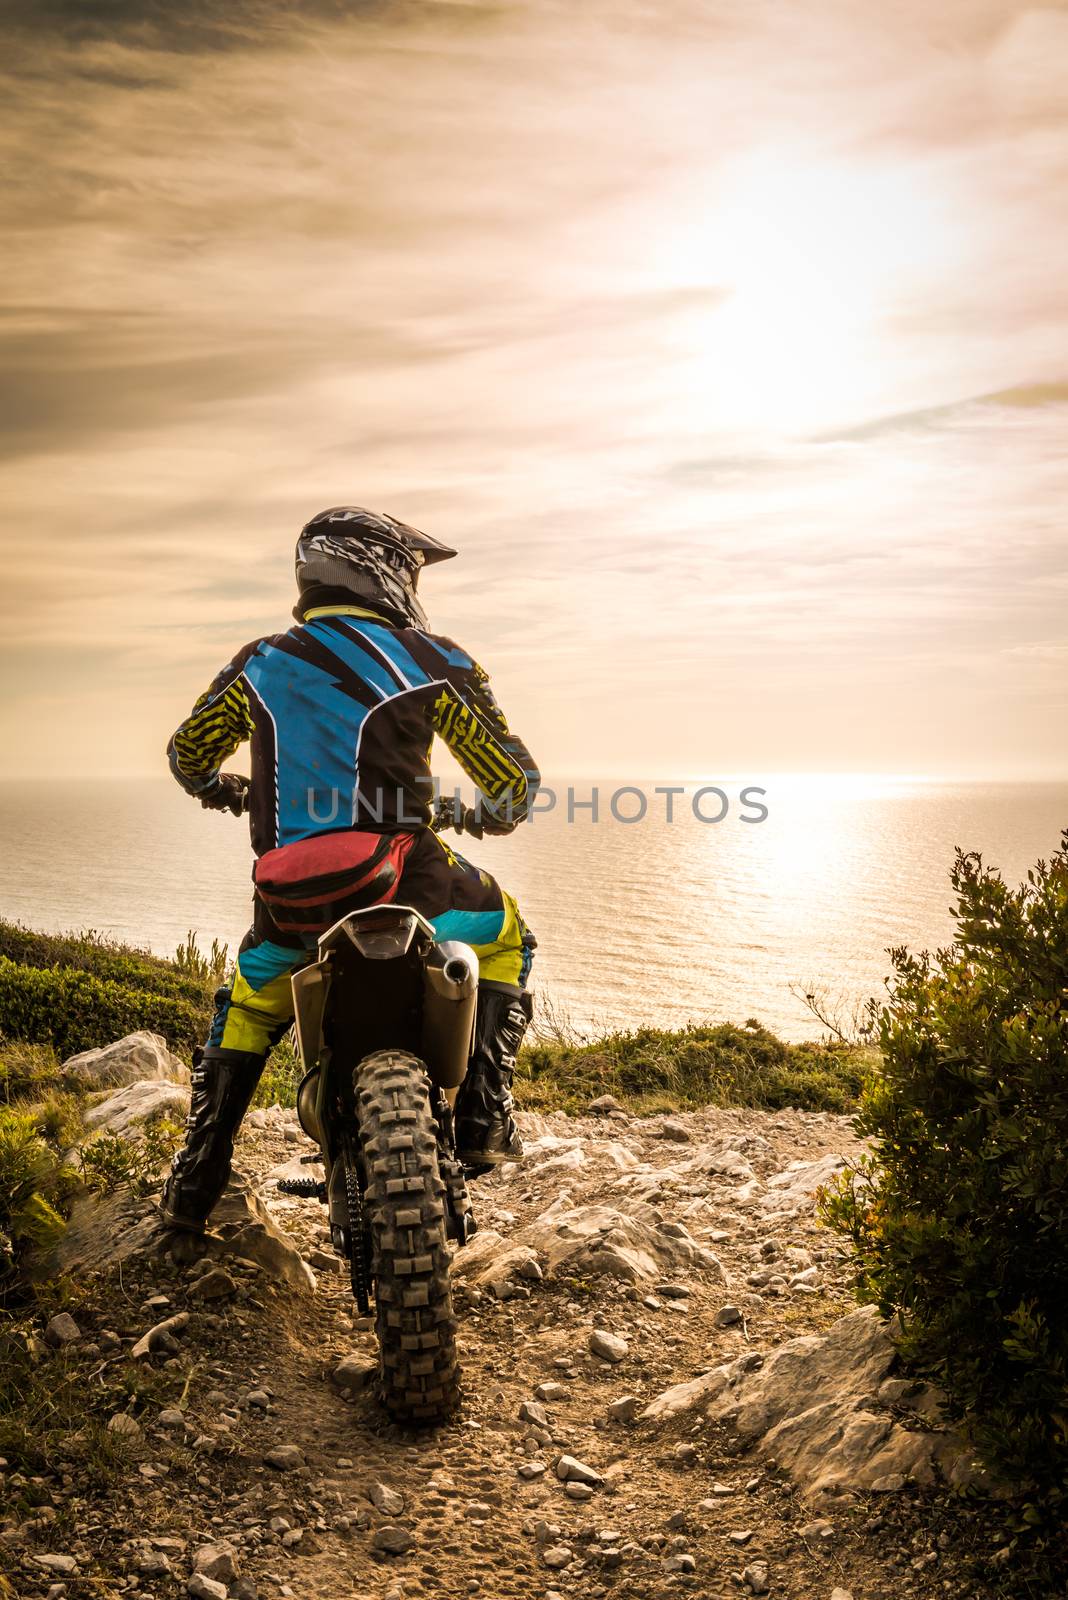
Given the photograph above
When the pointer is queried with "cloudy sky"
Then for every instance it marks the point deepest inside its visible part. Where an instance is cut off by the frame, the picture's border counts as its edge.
(726, 338)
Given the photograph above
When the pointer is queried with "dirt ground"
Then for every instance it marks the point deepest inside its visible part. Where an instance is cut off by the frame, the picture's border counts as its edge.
(679, 1508)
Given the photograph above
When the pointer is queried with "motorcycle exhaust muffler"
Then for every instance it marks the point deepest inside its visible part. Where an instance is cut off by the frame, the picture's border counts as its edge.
(450, 995)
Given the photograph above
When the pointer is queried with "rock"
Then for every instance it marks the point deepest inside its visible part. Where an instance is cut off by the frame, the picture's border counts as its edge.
(722, 1160)
(578, 1491)
(603, 1106)
(602, 1241)
(494, 1266)
(215, 1284)
(138, 1103)
(609, 1346)
(393, 1539)
(570, 1470)
(122, 1423)
(531, 1411)
(676, 1131)
(324, 1261)
(201, 1588)
(808, 1407)
(819, 1529)
(103, 1231)
(61, 1566)
(551, 1392)
(795, 1189)
(689, 1396)
(728, 1317)
(557, 1556)
(285, 1458)
(218, 1561)
(740, 1536)
(264, 1244)
(62, 1330)
(841, 1594)
(755, 1577)
(531, 1469)
(139, 1058)
(625, 1409)
(355, 1373)
(258, 1400)
(389, 1501)
(159, 1336)
(170, 1417)
(153, 1564)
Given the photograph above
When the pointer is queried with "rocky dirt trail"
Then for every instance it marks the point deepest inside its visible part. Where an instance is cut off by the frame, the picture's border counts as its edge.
(668, 1390)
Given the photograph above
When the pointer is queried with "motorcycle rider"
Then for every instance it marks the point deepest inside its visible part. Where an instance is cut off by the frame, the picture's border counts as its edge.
(341, 711)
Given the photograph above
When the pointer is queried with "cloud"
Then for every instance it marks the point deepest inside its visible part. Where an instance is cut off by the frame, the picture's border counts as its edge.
(472, 263)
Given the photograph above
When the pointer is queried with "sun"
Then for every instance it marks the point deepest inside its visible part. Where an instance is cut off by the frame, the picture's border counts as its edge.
(814, 259)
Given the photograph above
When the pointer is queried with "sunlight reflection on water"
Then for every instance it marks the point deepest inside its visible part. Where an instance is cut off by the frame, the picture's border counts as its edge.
(640, 923)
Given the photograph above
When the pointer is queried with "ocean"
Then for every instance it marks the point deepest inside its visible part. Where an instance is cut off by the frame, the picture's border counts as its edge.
(647, 922)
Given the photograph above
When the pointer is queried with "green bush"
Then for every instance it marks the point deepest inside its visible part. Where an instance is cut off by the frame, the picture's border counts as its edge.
(721, 1065)
(29, 1184)
(89, 952)
(111, 1160)
(281, 1076)
(27, 1071)
(208, 971)
(960, 1216)
(74, 1010)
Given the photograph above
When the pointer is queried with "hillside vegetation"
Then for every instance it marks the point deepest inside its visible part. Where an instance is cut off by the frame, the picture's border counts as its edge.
(71, 992)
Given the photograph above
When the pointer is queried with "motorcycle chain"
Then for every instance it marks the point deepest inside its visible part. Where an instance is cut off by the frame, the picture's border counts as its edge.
(359, 1272)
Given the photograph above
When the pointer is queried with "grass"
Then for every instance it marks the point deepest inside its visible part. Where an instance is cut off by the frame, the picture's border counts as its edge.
(77, 991)
(281, 1077)
(55, 1404)
(648, 1069)
(71, 991)
(653, 1070)
(108, 960)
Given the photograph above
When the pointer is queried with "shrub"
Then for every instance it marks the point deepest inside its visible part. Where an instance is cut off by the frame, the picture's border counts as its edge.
(111, 1160)
(720, 1065)
(960, 1216)
(281, 1076)
(29, 1182)
(89, 952)
(74, 1010)
(208, 971)
(26, 1070)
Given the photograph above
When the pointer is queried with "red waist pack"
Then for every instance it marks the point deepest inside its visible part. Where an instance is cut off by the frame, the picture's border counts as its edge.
(308, 885)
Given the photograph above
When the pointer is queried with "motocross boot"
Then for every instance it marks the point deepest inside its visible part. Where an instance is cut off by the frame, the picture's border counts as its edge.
(486, 1133)
(224, 1082)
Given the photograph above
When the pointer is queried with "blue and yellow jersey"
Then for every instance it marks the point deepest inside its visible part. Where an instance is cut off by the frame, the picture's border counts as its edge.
(341, 712)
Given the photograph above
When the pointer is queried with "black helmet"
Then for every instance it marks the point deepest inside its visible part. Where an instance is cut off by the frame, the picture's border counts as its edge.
(366, 556)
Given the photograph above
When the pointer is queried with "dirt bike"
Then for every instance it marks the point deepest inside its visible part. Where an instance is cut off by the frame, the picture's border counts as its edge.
(384, 1025)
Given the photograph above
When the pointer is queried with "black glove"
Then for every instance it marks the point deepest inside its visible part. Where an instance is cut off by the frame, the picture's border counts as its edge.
(229, 792)
(474, 820)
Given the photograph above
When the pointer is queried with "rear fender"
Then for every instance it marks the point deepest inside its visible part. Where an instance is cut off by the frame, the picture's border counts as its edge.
(380, 933)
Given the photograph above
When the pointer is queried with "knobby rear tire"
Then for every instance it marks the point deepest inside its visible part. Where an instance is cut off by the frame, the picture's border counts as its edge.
(404, 1206)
